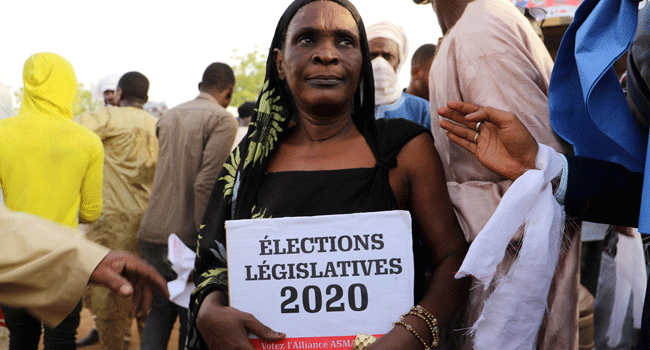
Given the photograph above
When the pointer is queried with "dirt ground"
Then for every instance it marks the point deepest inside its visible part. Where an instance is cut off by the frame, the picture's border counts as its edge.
(86, 325)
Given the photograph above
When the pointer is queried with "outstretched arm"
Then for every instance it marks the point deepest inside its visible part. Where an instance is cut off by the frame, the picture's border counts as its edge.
(503, 145)
(49, 265)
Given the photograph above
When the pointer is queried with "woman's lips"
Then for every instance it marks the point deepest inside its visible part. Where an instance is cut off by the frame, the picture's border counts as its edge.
(326, 80)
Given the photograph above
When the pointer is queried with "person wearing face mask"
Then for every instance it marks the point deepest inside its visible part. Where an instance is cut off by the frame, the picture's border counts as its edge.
(388, 50)
(106, 89)
(491, 56)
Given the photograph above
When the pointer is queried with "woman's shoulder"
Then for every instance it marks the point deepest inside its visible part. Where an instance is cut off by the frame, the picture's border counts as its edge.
(397, 129)
(393, 134)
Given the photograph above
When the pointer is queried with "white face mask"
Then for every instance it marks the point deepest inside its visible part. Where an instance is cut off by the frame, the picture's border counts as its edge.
(387, 89)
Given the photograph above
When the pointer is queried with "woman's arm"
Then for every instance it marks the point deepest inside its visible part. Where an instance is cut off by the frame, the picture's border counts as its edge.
(420, 186)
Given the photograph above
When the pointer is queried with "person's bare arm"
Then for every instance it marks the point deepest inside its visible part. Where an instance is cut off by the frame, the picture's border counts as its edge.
(431, 209)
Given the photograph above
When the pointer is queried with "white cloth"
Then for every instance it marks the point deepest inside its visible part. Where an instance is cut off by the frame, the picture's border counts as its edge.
(630, 285)
(182, 259)
(387, 89)
(108, 82)
(513, 313)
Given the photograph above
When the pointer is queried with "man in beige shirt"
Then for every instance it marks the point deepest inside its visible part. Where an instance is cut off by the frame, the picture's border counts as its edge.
(491, 56)
(195, 140)
(47, 267)
(128, 133)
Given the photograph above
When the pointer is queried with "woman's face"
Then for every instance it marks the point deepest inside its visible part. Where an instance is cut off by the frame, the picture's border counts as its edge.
(321, 59)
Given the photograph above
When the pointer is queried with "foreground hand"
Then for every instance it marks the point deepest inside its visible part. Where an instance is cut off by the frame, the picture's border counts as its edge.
(224, 327)
(503, 145)
(126, 274)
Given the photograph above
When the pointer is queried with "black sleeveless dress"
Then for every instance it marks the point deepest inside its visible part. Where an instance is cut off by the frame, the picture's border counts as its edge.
(346, 191)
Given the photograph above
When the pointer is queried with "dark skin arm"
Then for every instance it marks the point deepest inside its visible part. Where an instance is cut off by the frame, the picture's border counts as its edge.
(126, 274)
(420, 187)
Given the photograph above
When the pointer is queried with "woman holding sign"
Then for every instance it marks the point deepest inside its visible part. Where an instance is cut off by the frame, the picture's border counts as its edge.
(314, 148)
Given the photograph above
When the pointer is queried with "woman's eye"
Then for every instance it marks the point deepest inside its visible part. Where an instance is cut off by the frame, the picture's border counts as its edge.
(347, 42)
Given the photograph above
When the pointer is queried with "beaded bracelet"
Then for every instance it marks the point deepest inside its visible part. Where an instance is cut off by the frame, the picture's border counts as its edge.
(433, 323)
(433, 328)
(408, 326)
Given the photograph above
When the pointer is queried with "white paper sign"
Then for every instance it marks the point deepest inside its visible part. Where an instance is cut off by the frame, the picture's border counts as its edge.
(322, 279)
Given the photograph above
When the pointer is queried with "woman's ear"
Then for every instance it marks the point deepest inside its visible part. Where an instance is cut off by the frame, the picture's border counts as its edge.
(278, 57)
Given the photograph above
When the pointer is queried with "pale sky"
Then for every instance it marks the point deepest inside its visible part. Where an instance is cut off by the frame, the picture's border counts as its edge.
(169, 42)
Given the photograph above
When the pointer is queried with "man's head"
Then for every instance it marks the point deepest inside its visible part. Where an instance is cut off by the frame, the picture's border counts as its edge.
(245, 112)
(132, 90)
(420, 66)
(218, 81)
(49, 85)
(447, 11)
(388, 41)
(106, 89)
(388, 47)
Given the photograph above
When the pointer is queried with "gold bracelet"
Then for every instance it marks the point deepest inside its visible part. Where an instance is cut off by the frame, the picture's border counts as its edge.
(433, 325)
(410, 329)
(433, 328)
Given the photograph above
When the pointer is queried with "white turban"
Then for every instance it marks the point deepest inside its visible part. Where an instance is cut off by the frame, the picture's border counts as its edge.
(392, 31)
(106, 83)
(6, 103)
(387, 89)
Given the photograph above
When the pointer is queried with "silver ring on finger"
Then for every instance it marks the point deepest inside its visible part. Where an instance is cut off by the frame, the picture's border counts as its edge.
(476, 137)
(478, 127)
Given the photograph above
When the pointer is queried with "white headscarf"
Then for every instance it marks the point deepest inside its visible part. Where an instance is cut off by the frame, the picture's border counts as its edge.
(6, 103)
(108, 82)
(387, 89)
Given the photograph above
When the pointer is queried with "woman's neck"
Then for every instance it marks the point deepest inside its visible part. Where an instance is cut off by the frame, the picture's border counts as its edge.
(314, 129)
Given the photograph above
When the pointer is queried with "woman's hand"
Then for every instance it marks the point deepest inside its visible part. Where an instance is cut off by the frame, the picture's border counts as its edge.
(224, 327)
(504, 145)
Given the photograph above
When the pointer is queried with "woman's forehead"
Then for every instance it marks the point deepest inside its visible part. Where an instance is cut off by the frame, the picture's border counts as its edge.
(323, 15)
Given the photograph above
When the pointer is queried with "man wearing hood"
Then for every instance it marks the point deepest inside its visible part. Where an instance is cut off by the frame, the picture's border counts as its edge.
(491, 56)
(50, 167)
(128, 133)
(389, 50)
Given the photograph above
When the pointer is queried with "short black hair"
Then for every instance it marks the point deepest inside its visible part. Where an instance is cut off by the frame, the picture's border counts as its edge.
(135, 86)
(246, 109)
(423, 54)
(218, 75)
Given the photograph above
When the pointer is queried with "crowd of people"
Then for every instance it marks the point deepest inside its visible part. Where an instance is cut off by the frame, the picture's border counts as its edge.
(478, 149)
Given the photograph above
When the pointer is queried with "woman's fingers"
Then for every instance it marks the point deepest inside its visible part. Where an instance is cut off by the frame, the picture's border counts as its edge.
(261, 331)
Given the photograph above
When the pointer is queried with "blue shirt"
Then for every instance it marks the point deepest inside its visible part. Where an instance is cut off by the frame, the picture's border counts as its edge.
(409, 107)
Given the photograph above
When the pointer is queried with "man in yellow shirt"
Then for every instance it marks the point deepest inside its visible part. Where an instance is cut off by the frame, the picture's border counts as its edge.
(50, 167)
